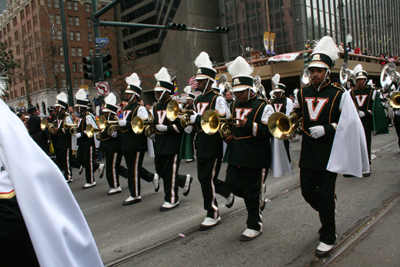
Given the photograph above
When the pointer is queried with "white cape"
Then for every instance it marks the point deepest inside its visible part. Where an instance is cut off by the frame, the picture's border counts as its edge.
(349, 154)
(59, 232)
(279, 159)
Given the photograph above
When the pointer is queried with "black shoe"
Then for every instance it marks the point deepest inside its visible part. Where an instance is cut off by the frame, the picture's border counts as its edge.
(348, 176)
(188, 183)
(70, 180)
(230, 201)
(132, 200)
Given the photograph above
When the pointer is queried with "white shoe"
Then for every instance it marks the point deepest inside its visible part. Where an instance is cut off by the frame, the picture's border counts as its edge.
(89, 185)
(101, 170)
(156, 182)
(249, 234)
(114, 191)
(186, 187)
(209, 223)
(132, 200)
(229, 201)
(168, 206)
(70, 180)
(323, 249)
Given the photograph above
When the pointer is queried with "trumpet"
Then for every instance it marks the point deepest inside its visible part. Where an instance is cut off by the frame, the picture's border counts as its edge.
(44, 124)
(138, 126)
(91, 131)
(70, 127)
(212, 123)
(283, 127)
(394, 100)
(173, 111)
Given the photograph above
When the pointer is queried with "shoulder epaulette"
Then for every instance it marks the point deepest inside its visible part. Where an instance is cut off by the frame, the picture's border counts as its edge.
(338, 86)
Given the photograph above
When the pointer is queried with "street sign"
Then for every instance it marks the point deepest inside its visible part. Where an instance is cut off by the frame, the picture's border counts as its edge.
(102, 45)
(102, 88)
(102, 40)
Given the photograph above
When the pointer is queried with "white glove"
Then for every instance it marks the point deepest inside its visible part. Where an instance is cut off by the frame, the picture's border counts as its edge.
(189, 129)
(78, 135)
(193, 117)
(317, 131)
(361, 113)
(161, 128)
(122, 123)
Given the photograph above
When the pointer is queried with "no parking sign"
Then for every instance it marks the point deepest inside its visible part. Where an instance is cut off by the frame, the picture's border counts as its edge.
(102, 88)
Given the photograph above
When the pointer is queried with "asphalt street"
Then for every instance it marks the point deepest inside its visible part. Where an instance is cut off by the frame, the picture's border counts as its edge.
(290, 225)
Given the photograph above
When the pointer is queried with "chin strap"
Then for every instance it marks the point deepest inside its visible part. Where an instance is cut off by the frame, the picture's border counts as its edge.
(159, 99)
(326, 74)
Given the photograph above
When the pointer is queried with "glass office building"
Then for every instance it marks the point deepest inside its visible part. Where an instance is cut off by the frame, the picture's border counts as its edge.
(373, 24)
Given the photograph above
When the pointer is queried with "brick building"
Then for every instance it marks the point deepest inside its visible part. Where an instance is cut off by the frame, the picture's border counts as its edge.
(31, 29)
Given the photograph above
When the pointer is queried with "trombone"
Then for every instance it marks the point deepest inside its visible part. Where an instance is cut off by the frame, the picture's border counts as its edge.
(283, 127)
(212, 123)
(138, 125)
(173, 111)
(44, 124)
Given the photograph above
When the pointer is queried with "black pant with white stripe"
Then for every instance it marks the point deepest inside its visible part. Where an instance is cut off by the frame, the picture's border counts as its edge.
(64, 156)
(134, 161)
(318, 189)
(113, 162)
(207, 172)
(167, 167)
(85, 157)
(246, 182)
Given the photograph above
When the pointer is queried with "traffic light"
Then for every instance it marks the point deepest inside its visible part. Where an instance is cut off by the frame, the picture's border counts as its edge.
(88, 68)
(221, 30)
(107, 73)
(305, 58)
(176, 26)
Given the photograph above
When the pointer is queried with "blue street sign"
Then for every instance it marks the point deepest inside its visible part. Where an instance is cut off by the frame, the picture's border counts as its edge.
(102, 40)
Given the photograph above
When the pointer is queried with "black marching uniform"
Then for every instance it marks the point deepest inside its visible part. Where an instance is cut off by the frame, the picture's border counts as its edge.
(133, 147)
(319, 108)
(37, 134)
(166, 149)
(63, 149)
(209, 157)
(250, 157)
(111, 145)
(86, 148)
(364, 99)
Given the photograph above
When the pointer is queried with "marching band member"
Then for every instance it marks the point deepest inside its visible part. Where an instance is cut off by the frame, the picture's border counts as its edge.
(283, 104)
(329, 146)
(167, 142)
(41, 223)
(187, 149)
(363, 96)
(63, 149)
(86, 145)
(209, 147)
(111, 145)
(250, 148)
(133, 145)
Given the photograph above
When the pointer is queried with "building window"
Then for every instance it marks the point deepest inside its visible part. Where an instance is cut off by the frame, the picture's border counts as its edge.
(22, 14)
(50, 3)
(27, 9)
(76, 6)
(82, 81)
(90, 37)
(80, 67)
(71, 36)
(16, 36)
(51, 18)
(56, 5)
(74, 67)
(76, 21)
(9, 41)
(87, 6)
(89, 22)
(79, 51)
(78, 35)
(70, 21)
(69, 5)
(91, 51)
(63, 83)
(76, 81)
(58, 20)
(59, 35)
(18, 49)
(29, 25)
(61, 49)
(15, 21)
(62, 67)
(73, 51)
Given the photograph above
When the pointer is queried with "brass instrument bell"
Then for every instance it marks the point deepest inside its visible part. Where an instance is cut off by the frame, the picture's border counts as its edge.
(283, 127)
(138, 126)
(212, 123)
(173, 111)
